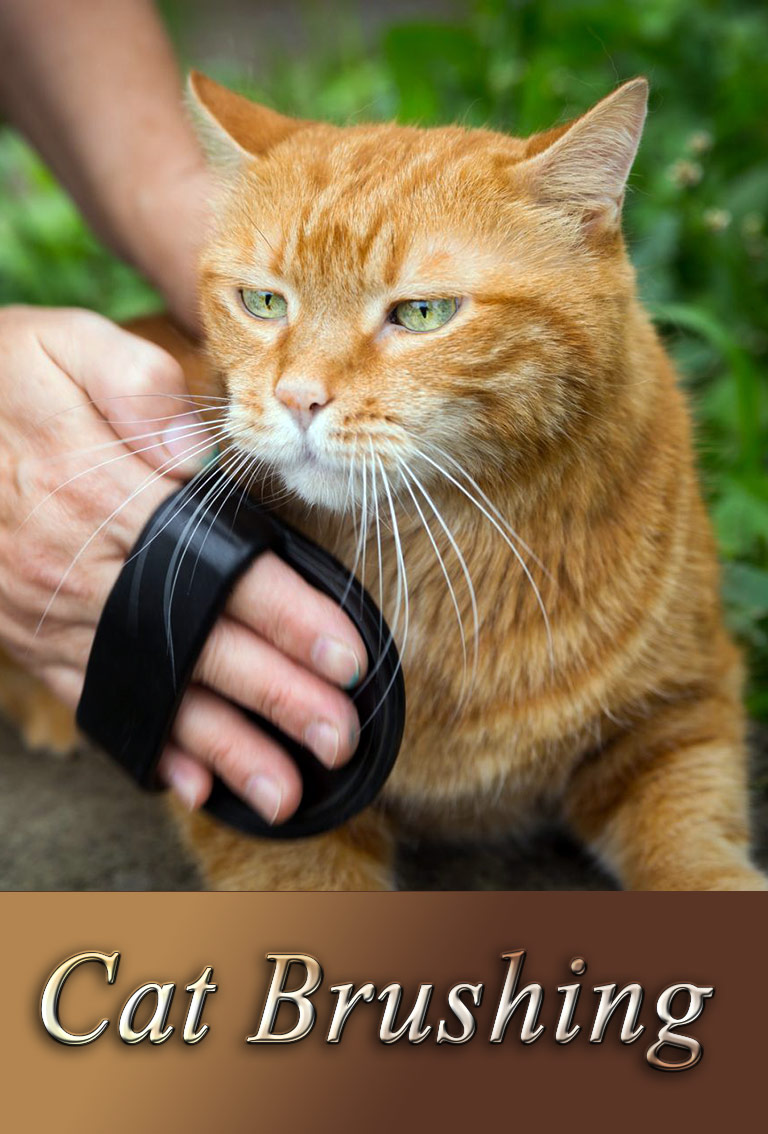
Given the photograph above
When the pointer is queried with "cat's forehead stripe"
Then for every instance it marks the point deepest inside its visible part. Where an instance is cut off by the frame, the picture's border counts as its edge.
(343, 208)
(322, 233)
(375, 217)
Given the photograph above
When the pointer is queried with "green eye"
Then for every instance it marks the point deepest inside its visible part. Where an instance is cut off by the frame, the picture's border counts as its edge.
(263, 304)
(424, 314)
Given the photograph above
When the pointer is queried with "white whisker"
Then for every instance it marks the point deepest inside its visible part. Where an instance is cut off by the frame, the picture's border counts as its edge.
(225, 489)
(358, 542)
(190, 428)
(495, 523)
(462, 563)
(402, 594)
(492, 507)
(378, 540)
(195, 401)
(198, 482)
(155, 475)
(120, 457)
(364, 520)
(446, 575)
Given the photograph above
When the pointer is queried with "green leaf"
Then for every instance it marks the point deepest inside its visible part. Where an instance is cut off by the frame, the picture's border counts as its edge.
(746, 587)
(702, 322)
(741, 520)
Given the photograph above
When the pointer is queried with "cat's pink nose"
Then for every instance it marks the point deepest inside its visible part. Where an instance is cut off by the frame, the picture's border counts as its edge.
(304, 397)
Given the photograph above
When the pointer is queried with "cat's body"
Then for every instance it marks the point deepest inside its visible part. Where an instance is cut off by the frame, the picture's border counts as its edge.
(605, 690)
(631, 730)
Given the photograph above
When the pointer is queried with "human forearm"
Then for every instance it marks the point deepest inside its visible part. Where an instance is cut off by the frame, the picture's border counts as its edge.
(95, 87)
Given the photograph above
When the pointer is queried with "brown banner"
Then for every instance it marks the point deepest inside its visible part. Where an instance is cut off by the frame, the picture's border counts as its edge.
(655, 941)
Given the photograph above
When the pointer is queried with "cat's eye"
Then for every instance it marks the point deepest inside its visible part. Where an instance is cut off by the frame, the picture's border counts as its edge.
(263, 304)
(424, 314)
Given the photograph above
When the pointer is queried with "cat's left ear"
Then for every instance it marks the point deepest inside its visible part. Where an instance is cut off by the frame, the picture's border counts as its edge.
(584, 166)
(232, 128)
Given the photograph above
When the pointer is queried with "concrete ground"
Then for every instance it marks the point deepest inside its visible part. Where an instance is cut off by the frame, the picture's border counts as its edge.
(79, 824)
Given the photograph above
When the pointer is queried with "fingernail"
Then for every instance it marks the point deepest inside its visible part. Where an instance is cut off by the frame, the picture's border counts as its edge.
(185, 442)
(184, 789)
(265, 795)
(337, 661)
(323, 739)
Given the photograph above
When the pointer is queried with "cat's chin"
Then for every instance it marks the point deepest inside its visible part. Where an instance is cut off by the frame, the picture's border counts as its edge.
(325, 488)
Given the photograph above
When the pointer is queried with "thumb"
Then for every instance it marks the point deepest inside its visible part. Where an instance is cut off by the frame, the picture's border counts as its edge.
(139, 389)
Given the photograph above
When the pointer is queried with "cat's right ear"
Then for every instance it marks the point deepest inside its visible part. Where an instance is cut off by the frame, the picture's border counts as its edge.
(233, 129)
(584, 165)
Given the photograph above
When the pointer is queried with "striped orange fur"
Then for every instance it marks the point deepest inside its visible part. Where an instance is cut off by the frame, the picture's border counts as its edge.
(605, 690)
(619, 711)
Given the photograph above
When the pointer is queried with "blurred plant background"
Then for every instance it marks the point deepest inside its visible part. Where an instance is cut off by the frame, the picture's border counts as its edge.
(697, 213)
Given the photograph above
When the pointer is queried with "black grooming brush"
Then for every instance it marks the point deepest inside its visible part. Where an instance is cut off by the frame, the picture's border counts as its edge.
(144, 654)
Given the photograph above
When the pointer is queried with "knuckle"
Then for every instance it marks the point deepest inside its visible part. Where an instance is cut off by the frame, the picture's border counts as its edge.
(141, 382)
(217, 652)
(75, 331)
(224, 753)
(81, 319)
(277, 700)
(281, 626)
(158, 370)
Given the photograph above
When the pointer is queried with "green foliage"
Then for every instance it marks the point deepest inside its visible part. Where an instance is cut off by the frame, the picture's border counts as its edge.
(695, 219)
(47, 255)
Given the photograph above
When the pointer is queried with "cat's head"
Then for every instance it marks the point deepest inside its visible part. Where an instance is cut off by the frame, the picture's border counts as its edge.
(382, 298)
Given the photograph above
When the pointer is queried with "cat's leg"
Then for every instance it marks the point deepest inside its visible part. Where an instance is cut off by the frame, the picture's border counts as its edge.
(45, 723)
(666, 807)
(357, 856)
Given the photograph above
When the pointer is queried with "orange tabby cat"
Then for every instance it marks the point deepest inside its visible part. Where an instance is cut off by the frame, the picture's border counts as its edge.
(439, 329)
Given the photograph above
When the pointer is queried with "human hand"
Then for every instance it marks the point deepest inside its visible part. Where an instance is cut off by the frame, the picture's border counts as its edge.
(76, 487)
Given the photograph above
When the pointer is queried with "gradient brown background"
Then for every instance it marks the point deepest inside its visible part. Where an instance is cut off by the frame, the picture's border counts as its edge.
(225, 1084)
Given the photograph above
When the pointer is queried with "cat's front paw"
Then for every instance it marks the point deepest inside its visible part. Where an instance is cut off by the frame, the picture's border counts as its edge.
(747, 879)
(726, 878)
(45, 724)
